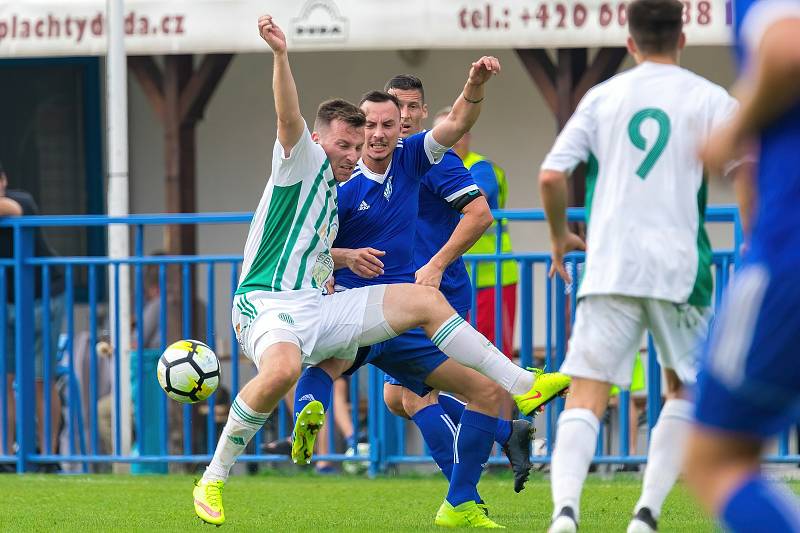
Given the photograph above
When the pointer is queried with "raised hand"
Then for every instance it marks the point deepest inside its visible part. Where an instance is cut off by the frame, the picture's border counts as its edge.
(483, 69)
(271, 33)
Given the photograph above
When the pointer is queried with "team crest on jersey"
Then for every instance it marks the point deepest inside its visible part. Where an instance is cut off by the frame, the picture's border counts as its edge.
(387, 190)
(332, 232)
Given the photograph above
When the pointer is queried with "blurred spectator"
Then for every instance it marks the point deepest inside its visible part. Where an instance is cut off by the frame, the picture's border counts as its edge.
(491, 179)
(21, 203)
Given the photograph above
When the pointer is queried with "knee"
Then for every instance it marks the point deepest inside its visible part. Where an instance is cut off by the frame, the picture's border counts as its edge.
(279, 376)
(393, 397)
(428, 297)
(485, 394)
(413, 403)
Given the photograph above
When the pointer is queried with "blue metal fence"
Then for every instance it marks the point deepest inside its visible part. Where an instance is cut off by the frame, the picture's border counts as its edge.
(167, 433)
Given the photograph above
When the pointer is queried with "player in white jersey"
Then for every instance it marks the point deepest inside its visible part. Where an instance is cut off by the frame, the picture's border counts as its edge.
(648, 259)
(280, 315)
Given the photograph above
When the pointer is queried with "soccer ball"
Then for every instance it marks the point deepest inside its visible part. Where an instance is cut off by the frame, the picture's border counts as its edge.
(356, 467)
(188, 371)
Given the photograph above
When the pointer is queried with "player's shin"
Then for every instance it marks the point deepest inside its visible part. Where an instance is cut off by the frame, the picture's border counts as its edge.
(438, 431)
(473, 444)
(314, 384)
(461, 342)
(576, 440)
(665, 456)
(243, 423)
(760, 505)
(454, 408)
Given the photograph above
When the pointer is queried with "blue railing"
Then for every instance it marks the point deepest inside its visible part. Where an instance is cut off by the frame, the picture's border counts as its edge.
(165, 432)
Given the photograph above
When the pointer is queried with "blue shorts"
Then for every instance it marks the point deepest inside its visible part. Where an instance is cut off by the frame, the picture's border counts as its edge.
(749, 382)
(407, 360)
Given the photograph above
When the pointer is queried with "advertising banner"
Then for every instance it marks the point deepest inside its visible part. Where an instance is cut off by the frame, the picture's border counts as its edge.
(31, 28)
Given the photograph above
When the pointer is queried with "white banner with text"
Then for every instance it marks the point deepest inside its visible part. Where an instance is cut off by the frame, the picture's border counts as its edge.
(30, 28)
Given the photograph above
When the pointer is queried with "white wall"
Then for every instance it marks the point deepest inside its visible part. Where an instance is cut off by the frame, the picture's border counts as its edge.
(235, 139)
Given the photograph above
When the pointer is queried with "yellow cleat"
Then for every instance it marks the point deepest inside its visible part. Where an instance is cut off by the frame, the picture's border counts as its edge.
(306, 427)
(544, 389)
(208, 501)
(467, 514)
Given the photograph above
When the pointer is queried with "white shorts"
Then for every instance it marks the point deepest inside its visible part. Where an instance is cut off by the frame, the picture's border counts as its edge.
(321, 326)
(608, 332)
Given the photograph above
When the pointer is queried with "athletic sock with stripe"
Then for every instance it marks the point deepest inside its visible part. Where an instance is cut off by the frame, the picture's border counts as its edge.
(439, 432)
(462, 343)
(243, 423)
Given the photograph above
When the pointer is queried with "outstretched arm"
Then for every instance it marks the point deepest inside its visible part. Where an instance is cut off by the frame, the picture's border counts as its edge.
(773, 88)
(477, 219)
(467, 107)
(287, 105)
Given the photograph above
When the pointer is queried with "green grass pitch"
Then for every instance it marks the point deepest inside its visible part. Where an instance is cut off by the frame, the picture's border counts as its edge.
(284, 503)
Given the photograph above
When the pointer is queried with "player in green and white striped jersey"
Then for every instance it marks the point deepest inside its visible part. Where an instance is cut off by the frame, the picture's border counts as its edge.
(280, 316)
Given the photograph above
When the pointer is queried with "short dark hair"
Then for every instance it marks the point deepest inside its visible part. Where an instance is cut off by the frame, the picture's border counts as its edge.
(338, 109)
(378, 97)
(655, 25)
(406, 82)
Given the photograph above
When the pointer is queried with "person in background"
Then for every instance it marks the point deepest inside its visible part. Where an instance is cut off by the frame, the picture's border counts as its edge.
(14, 203)
(491, 179)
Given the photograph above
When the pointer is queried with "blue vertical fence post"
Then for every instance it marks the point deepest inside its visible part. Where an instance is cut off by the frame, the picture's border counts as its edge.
(94, 437)
(653, 384)
(141, 438)
(526, 316)
(211, 341)
(162, 308)
(47, 363)
(375, 421)
(24, 295)
(498, 287)
(188, 302)
(3, 370)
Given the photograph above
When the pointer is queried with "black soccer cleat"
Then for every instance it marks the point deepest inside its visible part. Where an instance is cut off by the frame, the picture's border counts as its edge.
(518, 451)
(643, 522)
(564, 522)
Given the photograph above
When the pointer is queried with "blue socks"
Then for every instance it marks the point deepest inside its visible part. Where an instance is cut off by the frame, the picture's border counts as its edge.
(439, 432)
(474, 441)
(761, 506)
(454, 408)
(314, 384)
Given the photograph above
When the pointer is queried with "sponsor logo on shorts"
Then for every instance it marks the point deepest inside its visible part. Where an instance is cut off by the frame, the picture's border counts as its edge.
(309, 397)
(286, 317)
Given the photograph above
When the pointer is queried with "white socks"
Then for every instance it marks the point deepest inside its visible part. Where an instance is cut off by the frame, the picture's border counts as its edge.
(459, 341)
(576, 441)
(243, 423)
(665, 456)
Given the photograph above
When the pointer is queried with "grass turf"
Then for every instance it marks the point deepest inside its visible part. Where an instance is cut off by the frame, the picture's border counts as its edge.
(309, 503)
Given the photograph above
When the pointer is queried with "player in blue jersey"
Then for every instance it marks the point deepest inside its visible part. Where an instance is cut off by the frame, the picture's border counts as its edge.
(748, 390)
(377, 212)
